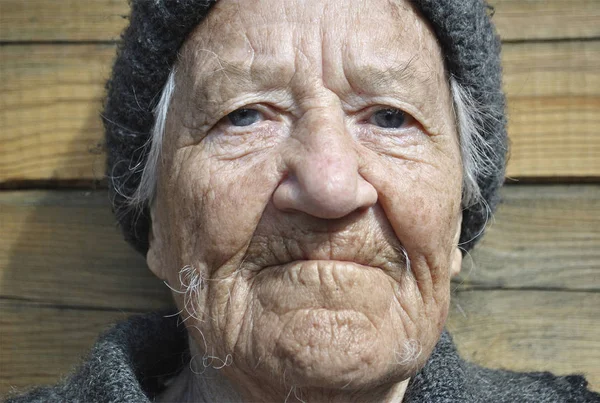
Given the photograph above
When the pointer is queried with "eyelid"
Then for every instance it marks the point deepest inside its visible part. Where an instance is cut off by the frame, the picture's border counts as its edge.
(365, 114)
(261, 108)
(358, 107)
(217, 112)
(265, 112)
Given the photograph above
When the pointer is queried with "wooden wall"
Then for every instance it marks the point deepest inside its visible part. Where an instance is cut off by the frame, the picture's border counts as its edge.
(527, 299)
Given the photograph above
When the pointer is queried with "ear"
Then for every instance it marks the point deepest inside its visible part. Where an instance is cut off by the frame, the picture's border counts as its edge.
(156, 248)
(456, 263)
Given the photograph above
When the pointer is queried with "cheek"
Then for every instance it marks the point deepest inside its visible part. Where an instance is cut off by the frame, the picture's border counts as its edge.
(421, 199)
(423, 206)
(215, 204)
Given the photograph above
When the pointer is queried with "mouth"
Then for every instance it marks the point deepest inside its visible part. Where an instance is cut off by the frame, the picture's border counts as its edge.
(332, 285)
(322, 264)
(298, 268)
(367, 242)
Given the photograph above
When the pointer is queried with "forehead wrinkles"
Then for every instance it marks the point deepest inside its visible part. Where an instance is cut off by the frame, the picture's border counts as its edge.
(237, 45)
(394, 52)
(219, 32)
(429, 47)
(236, 32)
(236, 48)
(398, 33)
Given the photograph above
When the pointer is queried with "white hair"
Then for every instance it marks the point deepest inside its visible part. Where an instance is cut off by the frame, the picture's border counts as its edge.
(144, 194)
(477, 154)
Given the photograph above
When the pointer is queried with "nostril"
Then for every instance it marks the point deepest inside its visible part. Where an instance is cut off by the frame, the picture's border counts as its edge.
(286, 194)
(366, 193)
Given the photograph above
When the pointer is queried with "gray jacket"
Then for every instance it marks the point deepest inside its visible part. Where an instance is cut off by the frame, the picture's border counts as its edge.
(132, 361)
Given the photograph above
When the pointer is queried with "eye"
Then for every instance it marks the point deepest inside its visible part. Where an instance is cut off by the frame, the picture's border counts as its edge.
(388, 118)
(244, 117)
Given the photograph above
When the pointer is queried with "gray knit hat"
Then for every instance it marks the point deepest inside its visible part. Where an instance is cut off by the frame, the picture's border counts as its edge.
(149, 49)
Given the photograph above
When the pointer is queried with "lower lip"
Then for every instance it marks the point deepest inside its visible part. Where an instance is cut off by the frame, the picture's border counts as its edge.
(331, 284)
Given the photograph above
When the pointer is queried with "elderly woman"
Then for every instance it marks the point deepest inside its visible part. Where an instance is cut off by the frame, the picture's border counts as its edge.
(305, 176)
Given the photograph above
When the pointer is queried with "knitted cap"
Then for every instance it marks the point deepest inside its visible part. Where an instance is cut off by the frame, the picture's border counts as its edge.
(149, 49)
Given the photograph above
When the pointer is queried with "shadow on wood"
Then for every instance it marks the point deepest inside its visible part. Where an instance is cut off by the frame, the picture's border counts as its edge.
(66, 274)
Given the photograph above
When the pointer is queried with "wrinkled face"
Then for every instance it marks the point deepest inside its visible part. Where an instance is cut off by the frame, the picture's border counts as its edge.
(310, 183)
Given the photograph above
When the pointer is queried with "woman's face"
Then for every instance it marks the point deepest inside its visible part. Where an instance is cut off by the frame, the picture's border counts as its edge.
(310, 185)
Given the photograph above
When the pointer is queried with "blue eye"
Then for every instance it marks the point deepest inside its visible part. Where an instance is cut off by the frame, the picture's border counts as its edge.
(244, 117)
(388, 118)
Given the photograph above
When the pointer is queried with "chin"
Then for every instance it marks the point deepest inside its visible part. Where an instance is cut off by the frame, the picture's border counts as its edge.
(323, 347)
(359, 366)
(335, 349)
(328, 325)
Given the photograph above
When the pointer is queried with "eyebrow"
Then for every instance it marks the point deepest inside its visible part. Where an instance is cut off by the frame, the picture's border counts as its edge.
(239, 72)
(266, 76)
(396, 72)
(372, 77)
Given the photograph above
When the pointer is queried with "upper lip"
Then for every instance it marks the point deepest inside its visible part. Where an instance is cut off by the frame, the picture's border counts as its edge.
(273, 251)
(365, 238)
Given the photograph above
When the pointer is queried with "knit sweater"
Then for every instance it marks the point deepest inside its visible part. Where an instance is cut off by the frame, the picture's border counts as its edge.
(132, 362)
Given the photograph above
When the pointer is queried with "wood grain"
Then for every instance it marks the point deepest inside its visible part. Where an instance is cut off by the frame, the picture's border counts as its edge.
(544, 237)
(49, 111)
(62, 20)
(63, 248)
(529, 330)
(541, 19)
(52, 95)
(103, 20)
(519, 330)
(553, 94)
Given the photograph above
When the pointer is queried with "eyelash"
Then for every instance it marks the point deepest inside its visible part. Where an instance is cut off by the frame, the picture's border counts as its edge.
(364, 116)
(265, 112)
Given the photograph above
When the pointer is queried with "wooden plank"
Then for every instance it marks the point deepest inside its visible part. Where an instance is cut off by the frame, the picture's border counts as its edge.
(41, 344)
(551, 69)
(102, 20)
(49, 111)
(52, 96)
(541, 237)
(62, 20)
(64, 248)
(529, 330)
(542, 19)
(554, 108)
(519, 330)
(554, 137)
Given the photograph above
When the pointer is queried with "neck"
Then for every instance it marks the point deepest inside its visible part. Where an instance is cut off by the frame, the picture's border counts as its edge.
(211, 386)
(383, 394)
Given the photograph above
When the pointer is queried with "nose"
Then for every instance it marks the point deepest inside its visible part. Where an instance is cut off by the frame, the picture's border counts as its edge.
(323, 170)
